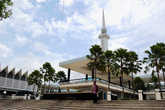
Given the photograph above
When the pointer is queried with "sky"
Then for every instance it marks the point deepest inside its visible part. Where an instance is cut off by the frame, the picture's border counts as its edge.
(53, 31)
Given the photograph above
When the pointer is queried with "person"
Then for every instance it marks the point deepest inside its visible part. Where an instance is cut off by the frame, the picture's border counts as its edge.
(94, 91)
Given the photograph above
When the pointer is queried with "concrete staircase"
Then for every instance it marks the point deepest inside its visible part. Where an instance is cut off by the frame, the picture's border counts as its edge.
(82, 105)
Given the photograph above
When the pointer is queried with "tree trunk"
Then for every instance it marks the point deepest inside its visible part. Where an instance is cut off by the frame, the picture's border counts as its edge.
(95, 73)
(164, 78)
(49, 86)
(121, 70)
(132, 80)
(33, 88)
(157, 70)
(44, 87)
(109, 78)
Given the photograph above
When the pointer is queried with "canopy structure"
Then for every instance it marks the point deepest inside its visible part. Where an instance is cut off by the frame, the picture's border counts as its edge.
(80, 65)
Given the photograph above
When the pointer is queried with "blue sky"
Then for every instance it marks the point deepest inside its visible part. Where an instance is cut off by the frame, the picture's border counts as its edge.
(48, 30)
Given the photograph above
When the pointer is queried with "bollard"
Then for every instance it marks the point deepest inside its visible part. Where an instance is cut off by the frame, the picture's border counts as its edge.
(157, 94)
(109, 96)
(140, 95)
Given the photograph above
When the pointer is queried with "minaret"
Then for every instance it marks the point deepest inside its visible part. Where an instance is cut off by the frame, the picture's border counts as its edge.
(104, 37)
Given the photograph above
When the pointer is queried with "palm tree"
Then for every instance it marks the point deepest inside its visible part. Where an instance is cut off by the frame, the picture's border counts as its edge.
(134, 65)
(121, 58)
(95, 57)
(156, 58)
(109, 63)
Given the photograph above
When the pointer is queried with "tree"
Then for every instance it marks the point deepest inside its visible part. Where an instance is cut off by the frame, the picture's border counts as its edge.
(121, 58)
(134, 65)
(155, 58)
(95, 57)
(5, 10)
(109, 63)
(61, 76)
(154, 80)
(35, 78)
(48, 73)
(139, 84)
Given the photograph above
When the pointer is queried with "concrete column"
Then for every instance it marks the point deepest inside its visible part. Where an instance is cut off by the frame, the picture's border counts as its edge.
(140, 95)
(120, 81)
(86, 77)
(69, 74)
(109, 96)
(157, 94)
(129, 84)
(13, 96)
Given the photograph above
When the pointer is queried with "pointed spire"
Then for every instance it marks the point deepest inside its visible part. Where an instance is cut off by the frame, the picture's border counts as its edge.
(103, 30)
(103, 19)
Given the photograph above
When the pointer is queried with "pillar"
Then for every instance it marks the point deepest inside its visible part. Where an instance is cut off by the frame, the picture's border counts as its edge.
(86, 77)
(120, 81)
(157, 94)
(129, 84)
(109, 96)
(140, 95)
(68, 74)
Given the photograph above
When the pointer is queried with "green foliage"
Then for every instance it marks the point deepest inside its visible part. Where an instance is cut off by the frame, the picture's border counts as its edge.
(35, 78)
(61, 76)
(134, 64)
(109, 63)
(95, 57)
(5, 10)
(154, 80)
(138, 84)
(48, 72)
(155, 59)
(121, 58)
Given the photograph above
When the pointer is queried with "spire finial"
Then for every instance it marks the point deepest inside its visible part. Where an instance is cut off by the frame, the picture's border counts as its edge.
(103, 19)
(104, 30)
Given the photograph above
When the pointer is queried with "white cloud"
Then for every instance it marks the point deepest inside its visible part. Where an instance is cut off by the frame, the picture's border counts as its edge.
(118, 43)
(5, 51)
(40, 47)
(22, 4)
(41, 1)
(21, 40)
(66, 3)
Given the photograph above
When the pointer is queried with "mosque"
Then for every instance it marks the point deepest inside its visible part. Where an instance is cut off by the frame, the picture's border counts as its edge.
(14, 83)
(85, 84)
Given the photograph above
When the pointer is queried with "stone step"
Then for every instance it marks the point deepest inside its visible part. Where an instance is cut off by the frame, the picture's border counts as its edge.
(83, 105)
(85, 108)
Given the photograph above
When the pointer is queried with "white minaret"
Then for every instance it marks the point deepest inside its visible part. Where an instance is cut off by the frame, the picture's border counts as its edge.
(104, 37)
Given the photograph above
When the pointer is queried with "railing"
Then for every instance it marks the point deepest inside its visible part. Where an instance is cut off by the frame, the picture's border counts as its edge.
(83, 80)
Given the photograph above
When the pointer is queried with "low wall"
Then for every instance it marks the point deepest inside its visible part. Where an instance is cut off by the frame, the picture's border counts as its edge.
(76, 96)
